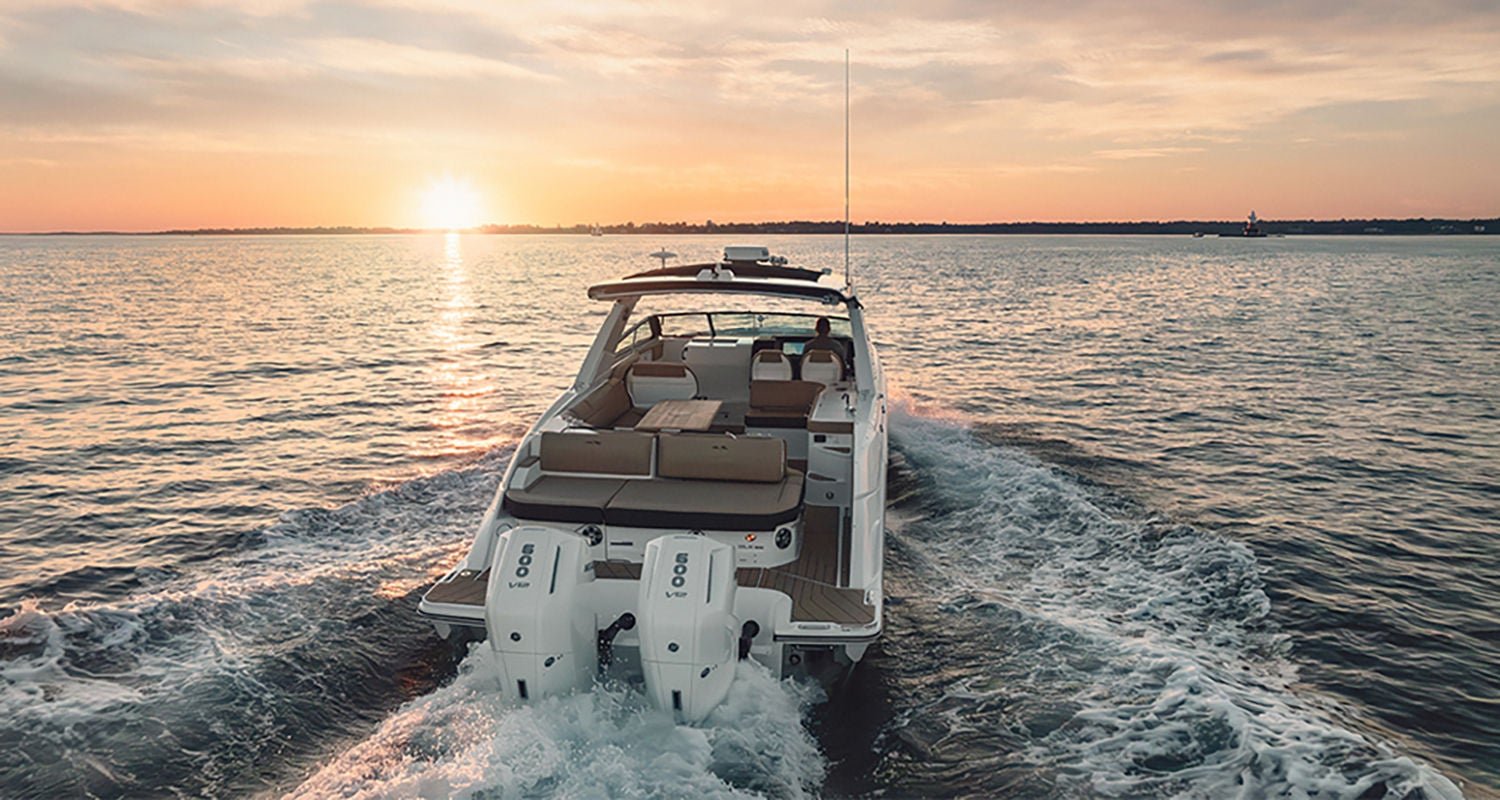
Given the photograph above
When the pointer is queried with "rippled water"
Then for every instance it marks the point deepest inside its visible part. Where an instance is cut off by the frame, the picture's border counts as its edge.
(1170, 517)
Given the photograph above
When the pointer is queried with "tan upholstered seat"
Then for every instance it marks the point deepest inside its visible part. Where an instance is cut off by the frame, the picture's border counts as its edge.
(563, 497)
(712, 483)
(606, 452)
(822, 366)
(781, 404)
(606, 406)
(703, 482)
(707, 505)
(650, 382)
(721, 458)
(770, 365)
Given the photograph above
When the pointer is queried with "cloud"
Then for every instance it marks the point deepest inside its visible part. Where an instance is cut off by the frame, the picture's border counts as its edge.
(255, 8)
(1131, 153)
(1081, 70)
(374, 57)
(951, 91)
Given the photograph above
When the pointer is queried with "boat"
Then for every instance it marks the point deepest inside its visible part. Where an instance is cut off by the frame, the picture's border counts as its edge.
(711, 488)
(1251, 230)
(595, 230)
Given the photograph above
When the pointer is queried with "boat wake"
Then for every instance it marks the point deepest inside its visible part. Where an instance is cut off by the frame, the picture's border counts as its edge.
(223, 679)
(303, 648)
(466, 740)
(1043, 638)
(1073, 644)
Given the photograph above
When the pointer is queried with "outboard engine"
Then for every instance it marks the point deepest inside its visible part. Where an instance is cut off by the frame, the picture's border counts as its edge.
(688, 629)
(537, 612)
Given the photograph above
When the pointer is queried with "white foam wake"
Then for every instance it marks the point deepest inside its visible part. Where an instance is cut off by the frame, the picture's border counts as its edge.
(1147, 642)
(222, 616)
(222, 666)
(466, 740)
(189, 682)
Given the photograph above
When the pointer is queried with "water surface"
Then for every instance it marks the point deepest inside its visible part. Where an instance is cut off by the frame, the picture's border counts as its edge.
(1169, 517)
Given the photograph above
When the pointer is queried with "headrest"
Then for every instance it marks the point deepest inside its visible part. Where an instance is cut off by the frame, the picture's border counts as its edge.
(721, 458)
(771, 365)
(823, 366)
(605, 452)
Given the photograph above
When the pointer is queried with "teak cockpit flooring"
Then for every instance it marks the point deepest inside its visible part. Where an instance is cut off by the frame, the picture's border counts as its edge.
(811, 581)
(466, 589)
(812, 600)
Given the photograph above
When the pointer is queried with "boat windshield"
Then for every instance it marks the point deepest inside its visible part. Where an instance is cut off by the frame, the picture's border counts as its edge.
(748, 323)
(724, 323)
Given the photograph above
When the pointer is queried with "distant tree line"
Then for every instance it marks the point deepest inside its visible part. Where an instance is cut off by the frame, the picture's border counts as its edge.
(1179, 227)
(1289, 227)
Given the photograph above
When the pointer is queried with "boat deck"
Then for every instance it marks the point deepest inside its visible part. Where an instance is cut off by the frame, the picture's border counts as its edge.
(466, 589)
(811, 581)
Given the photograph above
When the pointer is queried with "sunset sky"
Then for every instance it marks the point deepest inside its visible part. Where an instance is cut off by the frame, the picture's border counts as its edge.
(151, 114)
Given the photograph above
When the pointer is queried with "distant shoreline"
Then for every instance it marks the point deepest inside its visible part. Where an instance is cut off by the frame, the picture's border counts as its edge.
(1342, 227)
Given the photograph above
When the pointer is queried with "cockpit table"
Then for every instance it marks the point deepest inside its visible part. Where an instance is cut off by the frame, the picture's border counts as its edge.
(680, 415)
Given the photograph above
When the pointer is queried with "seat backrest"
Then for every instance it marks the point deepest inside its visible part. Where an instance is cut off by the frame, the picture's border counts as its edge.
(601, 407)
(822, 366)
(650, 382)
(770, 365)
(784, 395)
(720, 458)
(604, 452)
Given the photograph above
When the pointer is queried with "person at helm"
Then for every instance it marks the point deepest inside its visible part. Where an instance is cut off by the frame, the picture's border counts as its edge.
(823, 341)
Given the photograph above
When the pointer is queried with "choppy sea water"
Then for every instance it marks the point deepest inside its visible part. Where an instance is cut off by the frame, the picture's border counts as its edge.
(1169, 517)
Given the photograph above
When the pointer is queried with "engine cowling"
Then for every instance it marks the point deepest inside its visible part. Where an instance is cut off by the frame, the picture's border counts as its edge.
(689, 634)
(537, 612)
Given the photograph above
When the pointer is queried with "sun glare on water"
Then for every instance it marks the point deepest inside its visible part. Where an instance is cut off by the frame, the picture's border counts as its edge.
(451, 204)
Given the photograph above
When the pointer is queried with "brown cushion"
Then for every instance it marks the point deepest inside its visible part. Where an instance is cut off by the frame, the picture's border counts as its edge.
(775, 418)
(652, 369)
(720, 458)
(707, 505)
(604, 405)
(607, 452)
(562, 498)
(784, 395)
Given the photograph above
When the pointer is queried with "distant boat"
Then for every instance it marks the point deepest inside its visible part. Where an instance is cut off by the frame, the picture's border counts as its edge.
(1197, 234)
(596, 231)
(1251, 230)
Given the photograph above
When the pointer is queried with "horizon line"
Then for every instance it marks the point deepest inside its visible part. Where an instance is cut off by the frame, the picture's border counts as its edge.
(1480, 225)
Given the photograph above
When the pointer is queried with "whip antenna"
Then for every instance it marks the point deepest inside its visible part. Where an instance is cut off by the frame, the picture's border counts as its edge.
(847, 282)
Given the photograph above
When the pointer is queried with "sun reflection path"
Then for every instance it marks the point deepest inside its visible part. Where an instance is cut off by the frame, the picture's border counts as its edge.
(464, 422)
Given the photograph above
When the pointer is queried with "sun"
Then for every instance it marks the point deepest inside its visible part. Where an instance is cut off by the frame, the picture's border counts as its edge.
(451, 204)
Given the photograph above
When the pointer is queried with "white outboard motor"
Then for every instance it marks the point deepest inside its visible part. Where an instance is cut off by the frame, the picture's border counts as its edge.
(537, 612)
(688, 629)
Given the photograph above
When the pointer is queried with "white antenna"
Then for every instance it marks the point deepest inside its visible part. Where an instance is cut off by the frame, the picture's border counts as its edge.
(847, 282)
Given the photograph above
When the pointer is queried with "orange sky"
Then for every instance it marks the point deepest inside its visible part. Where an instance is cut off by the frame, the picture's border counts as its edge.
(152, 114)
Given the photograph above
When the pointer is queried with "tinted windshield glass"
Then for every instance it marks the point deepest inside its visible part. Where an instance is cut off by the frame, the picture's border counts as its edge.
(735, 323)
(637, 333)
(684, 325)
